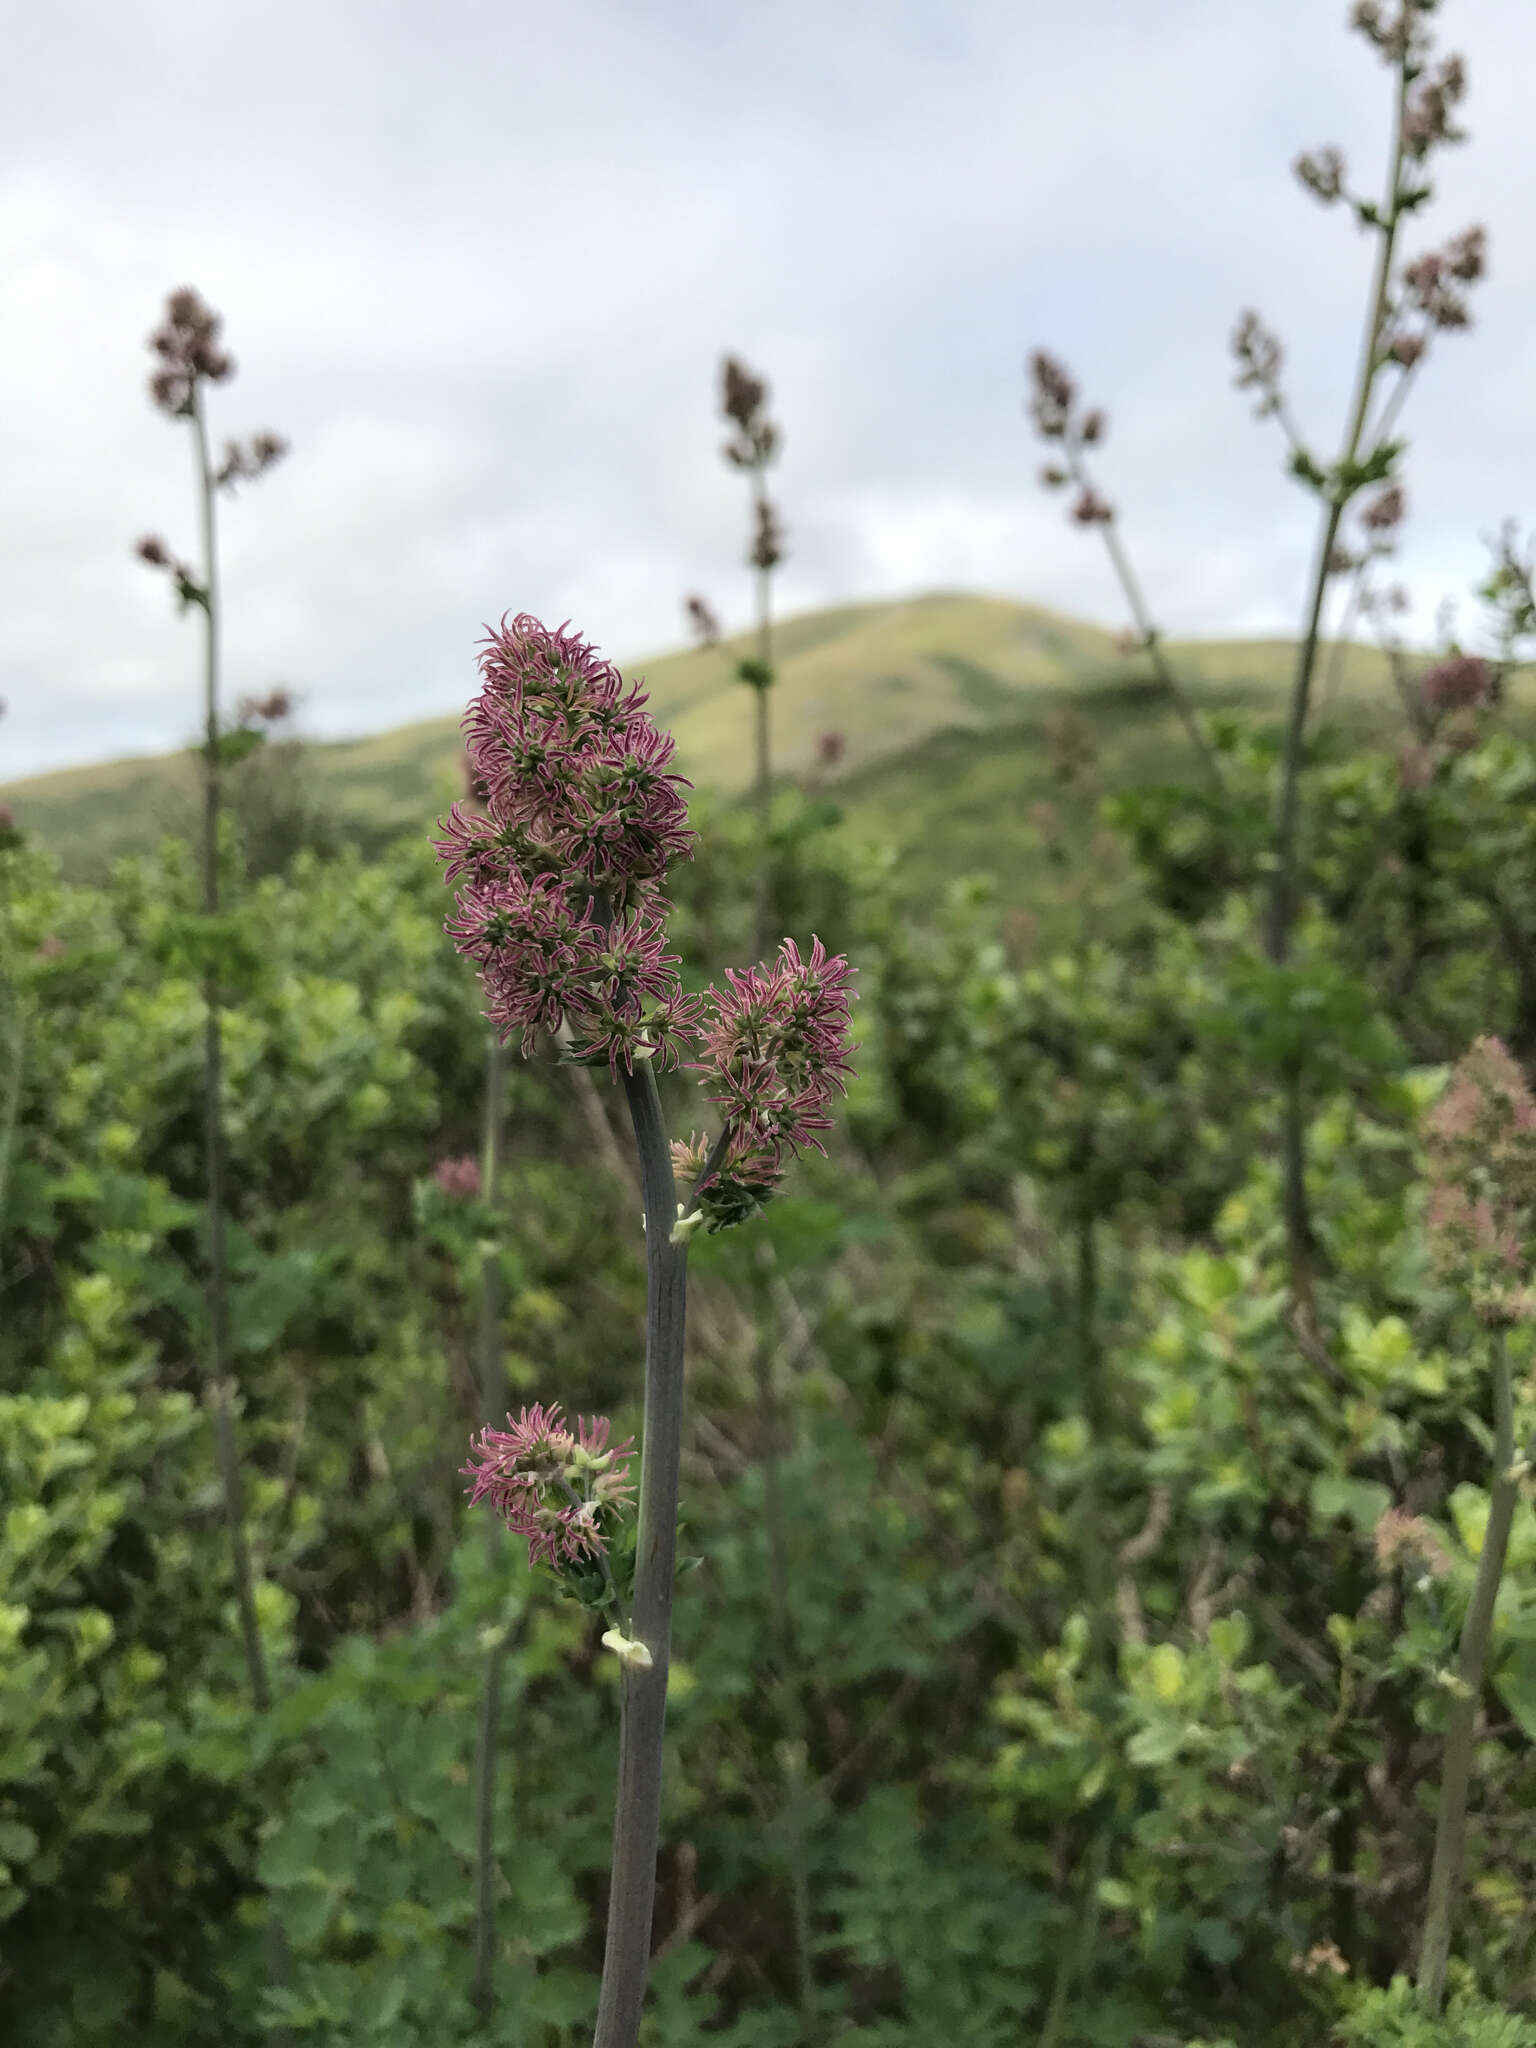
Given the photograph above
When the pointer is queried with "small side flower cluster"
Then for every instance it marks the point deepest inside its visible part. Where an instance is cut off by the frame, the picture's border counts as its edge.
(1053, 408)
(562, 1489)
(459, 1179)
(1480, 1140)
(702, 622)
(561, 907)
(775, 1056)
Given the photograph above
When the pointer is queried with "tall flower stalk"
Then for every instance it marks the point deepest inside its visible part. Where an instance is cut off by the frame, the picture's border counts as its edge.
(491, 1378)
(1059, 420)
(191, 356)
(752, 447)
(561, 907)
(754, 444)
(1481, 1141)
(1406, 305)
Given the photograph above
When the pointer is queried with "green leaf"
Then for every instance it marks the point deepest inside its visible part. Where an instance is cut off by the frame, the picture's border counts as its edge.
(237, 745)
(1337, 1498)
(1515, 1680)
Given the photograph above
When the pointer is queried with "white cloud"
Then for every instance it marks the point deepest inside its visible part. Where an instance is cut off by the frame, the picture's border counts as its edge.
(479, 264)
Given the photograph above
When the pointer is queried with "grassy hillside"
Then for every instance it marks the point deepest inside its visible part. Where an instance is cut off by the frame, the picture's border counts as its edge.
(931, 694)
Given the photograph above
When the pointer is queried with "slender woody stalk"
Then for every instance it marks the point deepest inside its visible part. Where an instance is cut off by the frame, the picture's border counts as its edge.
(221, 1389)
(774, 1528)
(1476, 1634)
(763, 1333)
(763, 731)
(492, 1383)
(1151, 641)
(1286, 893)
(643, 1691)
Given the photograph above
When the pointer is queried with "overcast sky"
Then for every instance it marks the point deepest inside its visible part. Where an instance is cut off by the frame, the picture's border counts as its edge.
(479, 264)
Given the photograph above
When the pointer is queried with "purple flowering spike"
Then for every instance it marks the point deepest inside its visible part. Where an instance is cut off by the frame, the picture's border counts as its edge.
(560, 901)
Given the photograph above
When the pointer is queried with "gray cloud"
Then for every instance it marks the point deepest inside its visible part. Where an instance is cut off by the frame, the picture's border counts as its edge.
(479, 264)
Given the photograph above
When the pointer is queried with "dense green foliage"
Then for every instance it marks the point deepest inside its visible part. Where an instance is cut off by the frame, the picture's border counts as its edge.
(1120, 1699)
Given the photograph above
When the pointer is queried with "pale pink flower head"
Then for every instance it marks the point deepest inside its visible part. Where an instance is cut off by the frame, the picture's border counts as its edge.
(1480, 1218)
(550, 1483)
(1404, 1538)
(458, 1178)
(1461, 682)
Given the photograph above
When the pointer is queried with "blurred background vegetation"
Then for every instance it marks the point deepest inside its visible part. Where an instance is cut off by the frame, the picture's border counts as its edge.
(1108, 1707)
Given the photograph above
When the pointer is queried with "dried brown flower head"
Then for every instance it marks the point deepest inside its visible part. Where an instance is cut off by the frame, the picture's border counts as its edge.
(701, 618)
(768, 539)
(1385, 510)
(269, 710)
(1427, 116)
(1053, 397)
(742, 399)
(1405, 349)
(246, 463)
(187, 341)
(1322, 172)
(1259, 357)
(1089, 509)
(1429, 282)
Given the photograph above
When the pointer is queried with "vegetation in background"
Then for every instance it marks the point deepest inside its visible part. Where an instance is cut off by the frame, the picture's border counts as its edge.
(1166, 1661)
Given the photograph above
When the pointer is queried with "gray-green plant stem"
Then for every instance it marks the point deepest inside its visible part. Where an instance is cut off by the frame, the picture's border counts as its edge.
(1338, 652)
(1076, 1954)
(783, 1643)
(1151, 640)
(765, 656)
(764, 789)
(1285, 897)
(221, 1391)
(1477, 1630)
(492, 1388)
(643, 1690)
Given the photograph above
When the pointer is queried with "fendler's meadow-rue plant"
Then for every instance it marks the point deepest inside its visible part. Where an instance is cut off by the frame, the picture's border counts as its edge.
(1409, 303)
(561, 906)
(751, 448)
(1481, 1223)
(190, 354)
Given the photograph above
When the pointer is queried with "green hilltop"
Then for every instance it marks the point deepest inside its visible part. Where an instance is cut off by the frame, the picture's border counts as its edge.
(949, 706)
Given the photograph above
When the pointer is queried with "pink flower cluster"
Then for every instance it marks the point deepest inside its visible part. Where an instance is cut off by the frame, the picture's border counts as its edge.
(1481, 1214)
(550, 1483)
(561, 904)
(775, 1049)
(1461, 682)
(458, 1178)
